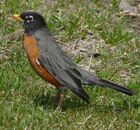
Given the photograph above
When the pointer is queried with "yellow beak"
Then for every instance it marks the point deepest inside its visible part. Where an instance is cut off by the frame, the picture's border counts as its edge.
(17, 17)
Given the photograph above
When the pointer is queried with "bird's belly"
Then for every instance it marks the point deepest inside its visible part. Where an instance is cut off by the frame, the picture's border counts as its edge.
(43, 72)
(33, 53)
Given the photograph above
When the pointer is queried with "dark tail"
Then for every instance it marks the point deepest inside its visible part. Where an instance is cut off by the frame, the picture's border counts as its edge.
(114, 86)
(91, 79)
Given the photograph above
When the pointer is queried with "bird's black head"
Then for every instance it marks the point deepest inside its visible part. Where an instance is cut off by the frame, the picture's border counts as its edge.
(32, 21)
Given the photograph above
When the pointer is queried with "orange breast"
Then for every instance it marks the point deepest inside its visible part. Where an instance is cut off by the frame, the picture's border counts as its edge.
(33, 53)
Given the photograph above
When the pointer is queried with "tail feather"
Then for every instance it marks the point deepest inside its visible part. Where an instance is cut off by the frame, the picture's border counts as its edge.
(91, 79)
(114, 86)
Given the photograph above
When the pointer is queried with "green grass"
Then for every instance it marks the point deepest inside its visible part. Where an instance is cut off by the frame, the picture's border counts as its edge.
(26, 101)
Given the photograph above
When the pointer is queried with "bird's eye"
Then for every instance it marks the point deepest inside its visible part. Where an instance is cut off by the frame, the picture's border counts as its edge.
(29, 18)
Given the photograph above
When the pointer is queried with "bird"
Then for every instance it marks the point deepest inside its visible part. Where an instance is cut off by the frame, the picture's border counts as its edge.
(52, 64)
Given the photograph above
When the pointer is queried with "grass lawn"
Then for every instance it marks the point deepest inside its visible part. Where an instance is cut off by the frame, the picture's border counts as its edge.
(26, 101)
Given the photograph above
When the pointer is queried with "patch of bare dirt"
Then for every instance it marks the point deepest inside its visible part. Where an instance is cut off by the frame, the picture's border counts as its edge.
(85, 49)
(131, 9)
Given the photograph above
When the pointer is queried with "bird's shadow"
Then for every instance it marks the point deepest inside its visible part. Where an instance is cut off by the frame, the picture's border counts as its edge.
(47, 101)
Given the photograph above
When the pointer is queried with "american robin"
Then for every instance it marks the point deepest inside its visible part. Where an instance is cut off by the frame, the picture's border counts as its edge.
(52, 64)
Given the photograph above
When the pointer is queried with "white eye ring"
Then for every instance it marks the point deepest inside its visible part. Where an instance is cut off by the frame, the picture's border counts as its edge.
(29, 18)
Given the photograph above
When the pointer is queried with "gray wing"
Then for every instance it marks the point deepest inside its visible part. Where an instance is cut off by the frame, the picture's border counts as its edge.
(64, 72)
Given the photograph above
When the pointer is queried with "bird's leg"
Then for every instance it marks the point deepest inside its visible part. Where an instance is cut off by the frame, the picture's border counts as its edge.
(60, 96)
